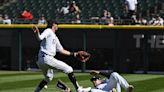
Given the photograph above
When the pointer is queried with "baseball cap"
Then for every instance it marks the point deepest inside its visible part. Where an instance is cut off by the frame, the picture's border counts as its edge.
(95, 78)
(50, 23)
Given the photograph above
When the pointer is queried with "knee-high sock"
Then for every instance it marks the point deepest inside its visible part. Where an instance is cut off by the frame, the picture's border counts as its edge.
(41, 85)
(73, 80)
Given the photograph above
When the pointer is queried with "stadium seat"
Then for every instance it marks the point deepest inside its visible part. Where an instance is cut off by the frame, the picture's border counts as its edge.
(88, 8)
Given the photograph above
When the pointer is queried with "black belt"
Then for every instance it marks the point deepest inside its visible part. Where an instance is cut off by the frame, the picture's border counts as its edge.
(43, 54)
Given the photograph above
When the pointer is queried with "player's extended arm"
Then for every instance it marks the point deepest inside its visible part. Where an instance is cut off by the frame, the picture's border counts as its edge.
(68, 53)
(106, 74)
(36, 31)
(41, 36)
(83, 56)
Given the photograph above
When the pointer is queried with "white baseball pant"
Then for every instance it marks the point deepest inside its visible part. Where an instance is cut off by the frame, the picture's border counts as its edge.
(48, 63)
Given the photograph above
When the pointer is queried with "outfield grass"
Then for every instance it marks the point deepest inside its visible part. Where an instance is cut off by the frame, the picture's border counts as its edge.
(14, 81)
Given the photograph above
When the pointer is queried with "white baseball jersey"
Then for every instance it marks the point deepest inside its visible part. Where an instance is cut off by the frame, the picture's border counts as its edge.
(131, 4)
(50, 44)
(115, 81)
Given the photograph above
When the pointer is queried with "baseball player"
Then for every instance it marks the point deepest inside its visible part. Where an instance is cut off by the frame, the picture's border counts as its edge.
(113, 80)
(112, 83)
(49, 45)
(61, 85)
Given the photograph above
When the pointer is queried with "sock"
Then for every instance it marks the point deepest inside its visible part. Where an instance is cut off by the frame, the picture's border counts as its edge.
(73, 80)
(41, 85)
(61, 85)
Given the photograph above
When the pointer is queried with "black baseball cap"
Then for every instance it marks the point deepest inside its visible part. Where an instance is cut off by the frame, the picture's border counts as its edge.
(50, 23)
(95, 78)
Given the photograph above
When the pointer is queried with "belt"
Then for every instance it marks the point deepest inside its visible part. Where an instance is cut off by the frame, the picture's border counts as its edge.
(44, 54)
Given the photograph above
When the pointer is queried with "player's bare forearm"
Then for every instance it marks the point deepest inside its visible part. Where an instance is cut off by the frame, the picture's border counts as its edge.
(35, 28)
(36, 32)
(37, 36)
(67, 53)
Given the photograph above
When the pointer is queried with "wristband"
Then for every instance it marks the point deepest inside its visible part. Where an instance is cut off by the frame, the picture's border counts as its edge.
(72, 54)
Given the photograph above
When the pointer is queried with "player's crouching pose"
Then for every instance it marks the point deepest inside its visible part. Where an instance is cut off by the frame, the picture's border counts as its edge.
(112, 83)
(49, 45)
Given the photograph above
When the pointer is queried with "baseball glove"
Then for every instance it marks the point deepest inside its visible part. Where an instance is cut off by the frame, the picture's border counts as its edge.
(83, 56)
(94, 72)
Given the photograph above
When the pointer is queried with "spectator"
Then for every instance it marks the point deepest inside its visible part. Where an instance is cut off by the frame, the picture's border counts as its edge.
(151, 21)
(131, 9)
(158, 21)
(6, 19)
(42, 20)
(142, 21)
(1, 19)
(108, 19)
(105, 14)
(65, 9)
(75, 11)
(26, 14)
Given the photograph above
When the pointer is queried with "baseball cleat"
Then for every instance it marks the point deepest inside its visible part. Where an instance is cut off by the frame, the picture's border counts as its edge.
(114, 90)
(63, 86)
(81, 89)
(130, 88)
(45, 86)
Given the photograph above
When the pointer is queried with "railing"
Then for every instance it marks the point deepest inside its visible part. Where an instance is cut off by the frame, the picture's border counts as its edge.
(72, 21)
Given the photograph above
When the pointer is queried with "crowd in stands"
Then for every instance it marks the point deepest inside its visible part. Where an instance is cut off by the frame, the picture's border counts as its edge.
(73, 10)
(155, 20)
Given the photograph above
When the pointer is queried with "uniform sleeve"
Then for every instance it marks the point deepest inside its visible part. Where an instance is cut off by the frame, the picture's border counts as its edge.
(44, 34)
(58, 45)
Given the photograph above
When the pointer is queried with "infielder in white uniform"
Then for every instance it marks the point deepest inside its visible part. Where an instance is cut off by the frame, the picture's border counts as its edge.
(113, 80)
(49, 45)
(112, 83)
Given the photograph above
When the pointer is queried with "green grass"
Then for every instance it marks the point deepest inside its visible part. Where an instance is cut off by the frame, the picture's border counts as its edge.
(15, 81)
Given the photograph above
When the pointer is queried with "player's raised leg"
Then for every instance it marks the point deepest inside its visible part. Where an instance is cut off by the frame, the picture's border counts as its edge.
(60, 65)
(119, 79)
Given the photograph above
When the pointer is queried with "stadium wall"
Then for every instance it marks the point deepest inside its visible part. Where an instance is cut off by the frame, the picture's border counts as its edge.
(116, 46)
